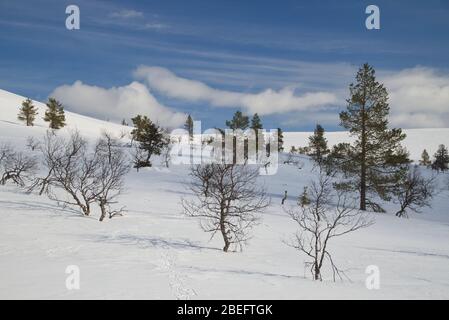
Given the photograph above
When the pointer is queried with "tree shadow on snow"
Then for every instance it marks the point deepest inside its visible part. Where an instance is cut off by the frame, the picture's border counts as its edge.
(144, 242)
(36, 206)
(246, 272)
(410, 252)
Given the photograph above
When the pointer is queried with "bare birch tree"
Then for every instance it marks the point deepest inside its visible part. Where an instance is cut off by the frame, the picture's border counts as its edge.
(321, 220)
(86, 177)
(227, 200)
(113, 165)
(414, 193)
(16, 166)
(52, 150)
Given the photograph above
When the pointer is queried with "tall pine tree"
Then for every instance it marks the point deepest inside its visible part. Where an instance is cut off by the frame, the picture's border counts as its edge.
(256, 125)
(189, 126)
(27, 112)
(425, 159)
(54, 114)
(441, 159)
(151, 139)
(239, 121)
(376, 161)
(318, 145)
(280, 140)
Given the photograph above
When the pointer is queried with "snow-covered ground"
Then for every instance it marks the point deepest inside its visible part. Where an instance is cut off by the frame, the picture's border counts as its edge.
(154, 252)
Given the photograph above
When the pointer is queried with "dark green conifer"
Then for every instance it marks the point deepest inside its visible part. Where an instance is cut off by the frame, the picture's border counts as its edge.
(54, 114)
(425, 159)
(318, 145)
(189, 126)
(239, 121)
(375, 162)
(441, 159)
(151, 139)
(27, 112)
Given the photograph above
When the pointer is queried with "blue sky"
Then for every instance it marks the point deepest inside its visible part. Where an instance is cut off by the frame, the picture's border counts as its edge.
(213, 54)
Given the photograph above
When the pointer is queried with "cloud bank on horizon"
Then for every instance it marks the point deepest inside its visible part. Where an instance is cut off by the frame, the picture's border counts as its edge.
(267, 102)
(116, 103)
(419, 97)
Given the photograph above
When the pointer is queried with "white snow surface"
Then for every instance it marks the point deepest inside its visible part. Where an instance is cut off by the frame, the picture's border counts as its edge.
(155, 252)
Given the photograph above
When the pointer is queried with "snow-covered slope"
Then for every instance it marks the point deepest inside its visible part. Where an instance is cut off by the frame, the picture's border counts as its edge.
(155, 252)
(10, 126)
(417, 139)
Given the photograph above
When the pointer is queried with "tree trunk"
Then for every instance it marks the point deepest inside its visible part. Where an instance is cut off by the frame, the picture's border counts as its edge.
(226, 246)
(103, 209)
(317, 273)
(45, 182)
(234, 149)
(148, 162)
(257, 144)
(225, 237)
(86, 209)
(3, 180)
(284, 198)
(363, 188)
(224, 232)
(401, 212)
(363, 163)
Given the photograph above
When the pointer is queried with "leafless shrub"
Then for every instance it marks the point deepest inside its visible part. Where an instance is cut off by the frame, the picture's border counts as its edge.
(5, 151)
(414, 193)
(227, 199)
(86, 177)
(321, 221)
(72, 171)
(113, 165)
(15, 166)
(32, 143)
(52, 150)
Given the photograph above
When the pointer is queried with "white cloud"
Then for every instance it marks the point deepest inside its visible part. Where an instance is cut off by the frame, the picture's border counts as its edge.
(126, 14)
(266, 102)
(419, 120)
(419, 97)
(116, 103)
(156, 26)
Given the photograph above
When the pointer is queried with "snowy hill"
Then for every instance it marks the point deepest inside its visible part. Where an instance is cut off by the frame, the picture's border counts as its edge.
(155, 252)
(9, 125)
(417, 139)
